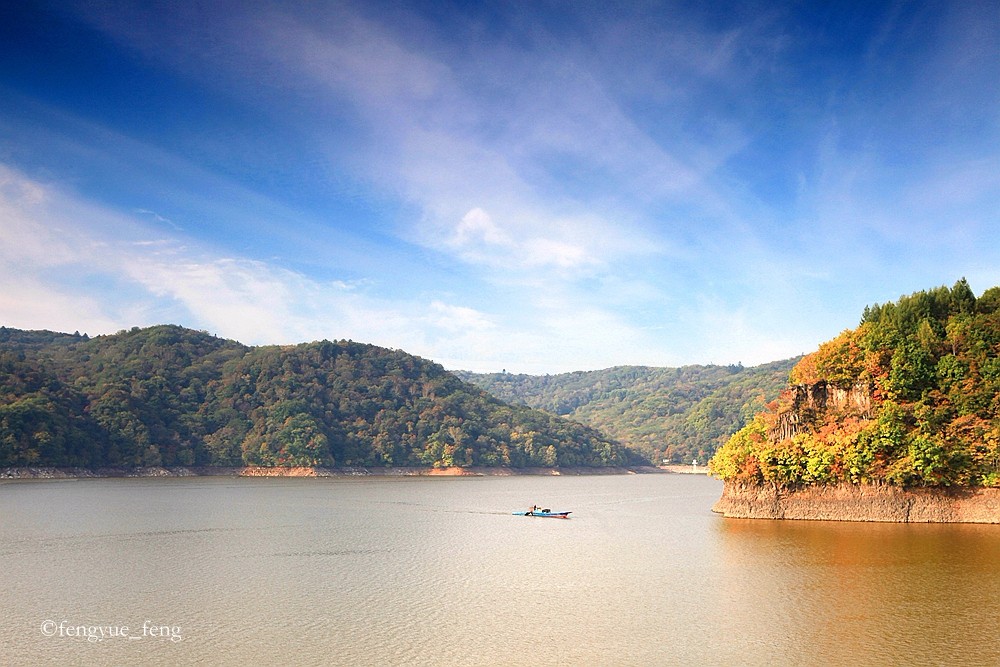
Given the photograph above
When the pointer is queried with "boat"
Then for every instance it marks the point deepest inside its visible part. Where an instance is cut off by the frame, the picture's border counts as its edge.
(544, 513)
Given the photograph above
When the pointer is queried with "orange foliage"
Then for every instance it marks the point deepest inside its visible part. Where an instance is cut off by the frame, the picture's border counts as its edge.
(839, 361)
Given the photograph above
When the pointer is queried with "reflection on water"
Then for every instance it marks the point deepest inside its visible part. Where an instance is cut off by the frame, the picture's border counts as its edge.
(840, 592)
(438, 572)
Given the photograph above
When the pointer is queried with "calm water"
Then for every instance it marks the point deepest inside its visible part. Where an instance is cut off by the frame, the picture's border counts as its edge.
(435, 571)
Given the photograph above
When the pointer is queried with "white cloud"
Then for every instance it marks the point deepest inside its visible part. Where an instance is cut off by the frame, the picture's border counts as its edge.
(479, 240)
(70, 265)
(540, 252)
(459, 318)
(477, 227)
(23, 242)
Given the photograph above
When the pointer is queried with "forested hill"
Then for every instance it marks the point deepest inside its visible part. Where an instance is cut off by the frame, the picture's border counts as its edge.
(666, 413)
(166, 395)
(911, 397)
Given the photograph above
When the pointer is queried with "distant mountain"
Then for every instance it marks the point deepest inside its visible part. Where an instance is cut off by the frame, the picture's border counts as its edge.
(677, 414)
(909, 398)
(166, 395)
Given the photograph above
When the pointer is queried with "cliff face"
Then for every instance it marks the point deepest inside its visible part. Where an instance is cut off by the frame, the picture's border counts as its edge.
(809, 402)
(850, 502)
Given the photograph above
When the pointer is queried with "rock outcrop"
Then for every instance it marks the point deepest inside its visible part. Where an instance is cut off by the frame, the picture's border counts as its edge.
(861, 502)
(810, 402)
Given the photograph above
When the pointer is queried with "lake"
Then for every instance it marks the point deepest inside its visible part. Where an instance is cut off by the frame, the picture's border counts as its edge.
(436, 571)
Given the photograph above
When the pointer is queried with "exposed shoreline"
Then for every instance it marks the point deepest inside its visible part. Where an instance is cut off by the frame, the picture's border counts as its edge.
(862, 502)
(681, 469)
(43, 472)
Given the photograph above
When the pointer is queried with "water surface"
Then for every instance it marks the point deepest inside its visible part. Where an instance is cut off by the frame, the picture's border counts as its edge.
(435, 571)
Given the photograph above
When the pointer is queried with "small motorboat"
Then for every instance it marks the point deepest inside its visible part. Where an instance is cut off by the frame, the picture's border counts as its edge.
(544, 513)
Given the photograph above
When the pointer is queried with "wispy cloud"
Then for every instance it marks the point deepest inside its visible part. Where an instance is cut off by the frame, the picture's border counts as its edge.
(453, 144)
(555, 186)
(159, 278)
(159, 218)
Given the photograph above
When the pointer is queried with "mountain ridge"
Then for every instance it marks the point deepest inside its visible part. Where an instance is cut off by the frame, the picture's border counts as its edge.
(675, 414)
(167, 395)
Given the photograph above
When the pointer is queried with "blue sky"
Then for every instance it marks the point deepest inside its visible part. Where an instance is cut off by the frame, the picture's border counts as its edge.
(532, 186)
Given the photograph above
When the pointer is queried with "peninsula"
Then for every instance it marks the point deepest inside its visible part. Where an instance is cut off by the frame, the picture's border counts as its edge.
(896, 420)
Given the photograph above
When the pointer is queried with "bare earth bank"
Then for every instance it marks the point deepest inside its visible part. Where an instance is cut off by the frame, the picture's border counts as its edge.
(260, 471)
(861, 502)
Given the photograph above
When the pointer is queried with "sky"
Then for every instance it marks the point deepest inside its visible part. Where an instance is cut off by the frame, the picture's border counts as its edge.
(530, 186)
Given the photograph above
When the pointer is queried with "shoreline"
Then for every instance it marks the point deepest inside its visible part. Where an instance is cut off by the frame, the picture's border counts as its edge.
(683, 469)
(47, 472)
(861, 502)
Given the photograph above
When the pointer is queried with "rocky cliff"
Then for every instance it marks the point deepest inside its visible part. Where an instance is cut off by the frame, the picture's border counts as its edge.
(809, 402)
(860, 502)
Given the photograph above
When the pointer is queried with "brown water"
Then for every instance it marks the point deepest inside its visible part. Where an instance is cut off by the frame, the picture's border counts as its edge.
(437, 572)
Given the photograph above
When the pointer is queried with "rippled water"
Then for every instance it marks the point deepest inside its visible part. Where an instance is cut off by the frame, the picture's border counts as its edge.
(435, 571)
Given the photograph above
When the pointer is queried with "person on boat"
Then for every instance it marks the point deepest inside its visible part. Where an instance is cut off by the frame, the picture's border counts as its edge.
(532, 510)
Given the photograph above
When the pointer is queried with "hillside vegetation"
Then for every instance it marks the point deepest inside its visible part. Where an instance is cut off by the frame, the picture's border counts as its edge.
(923, 380)
(171, 396)
(678, 414)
